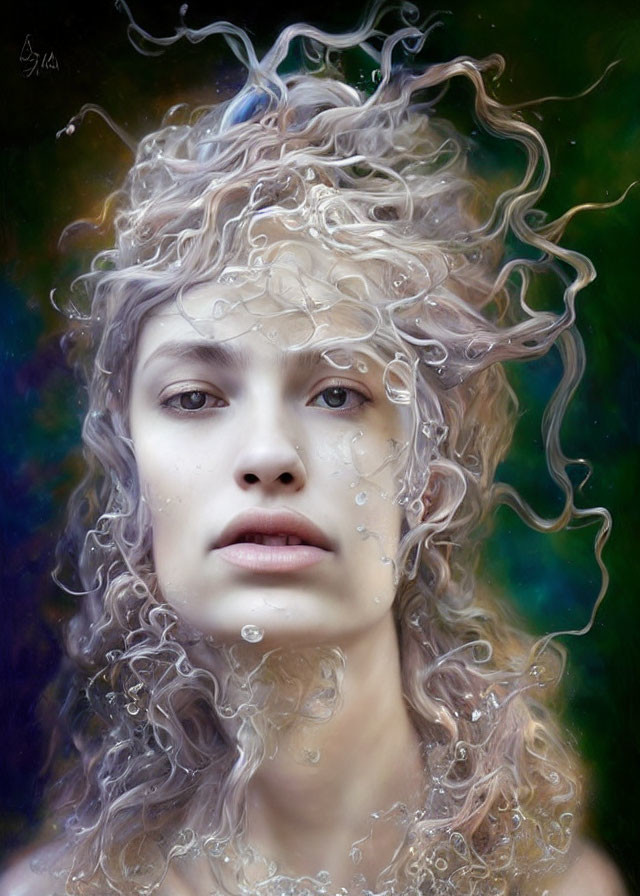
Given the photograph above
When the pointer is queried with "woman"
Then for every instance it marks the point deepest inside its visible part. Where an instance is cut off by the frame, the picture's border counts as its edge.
(283, 676)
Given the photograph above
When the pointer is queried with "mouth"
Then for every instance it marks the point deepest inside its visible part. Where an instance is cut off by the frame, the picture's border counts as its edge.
(273, 541)
(277, 540)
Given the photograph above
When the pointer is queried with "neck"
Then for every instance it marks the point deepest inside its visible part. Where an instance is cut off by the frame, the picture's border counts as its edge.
(315, 795)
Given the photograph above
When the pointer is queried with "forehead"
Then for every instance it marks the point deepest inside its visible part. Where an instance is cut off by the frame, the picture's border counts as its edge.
(245, 326)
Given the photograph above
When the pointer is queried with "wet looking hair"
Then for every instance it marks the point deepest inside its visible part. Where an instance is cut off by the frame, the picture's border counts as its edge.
(231, 194)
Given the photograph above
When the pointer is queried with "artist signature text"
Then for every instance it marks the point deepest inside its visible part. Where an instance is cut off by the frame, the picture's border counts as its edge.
(34, 63)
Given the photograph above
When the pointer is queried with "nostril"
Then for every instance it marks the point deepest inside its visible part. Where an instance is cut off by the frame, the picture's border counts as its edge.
(285, 478)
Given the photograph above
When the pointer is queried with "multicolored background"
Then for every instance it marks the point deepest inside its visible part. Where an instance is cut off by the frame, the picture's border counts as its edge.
(551, 47)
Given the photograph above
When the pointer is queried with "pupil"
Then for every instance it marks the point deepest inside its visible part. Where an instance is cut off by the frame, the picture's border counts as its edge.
(335, 397)
(192, 401)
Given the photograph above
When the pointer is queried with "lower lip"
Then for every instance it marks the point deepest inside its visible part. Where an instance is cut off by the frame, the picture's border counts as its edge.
(272, 558)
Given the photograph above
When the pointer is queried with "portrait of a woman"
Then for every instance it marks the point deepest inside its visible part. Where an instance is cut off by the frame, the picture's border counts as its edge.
(285, 671)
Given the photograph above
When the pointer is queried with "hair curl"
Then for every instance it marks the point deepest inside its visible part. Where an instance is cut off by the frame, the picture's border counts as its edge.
(221, 194)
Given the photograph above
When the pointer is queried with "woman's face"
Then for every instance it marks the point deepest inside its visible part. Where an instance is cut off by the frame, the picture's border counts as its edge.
(270, 474)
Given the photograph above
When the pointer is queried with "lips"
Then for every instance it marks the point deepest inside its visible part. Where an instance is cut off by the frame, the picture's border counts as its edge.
(272, 541)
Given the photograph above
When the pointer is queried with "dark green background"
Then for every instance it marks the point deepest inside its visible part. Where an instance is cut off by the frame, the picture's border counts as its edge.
(550, 48)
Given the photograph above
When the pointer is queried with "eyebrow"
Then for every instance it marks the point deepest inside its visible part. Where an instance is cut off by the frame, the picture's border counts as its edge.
(207, 352)
(222, 355)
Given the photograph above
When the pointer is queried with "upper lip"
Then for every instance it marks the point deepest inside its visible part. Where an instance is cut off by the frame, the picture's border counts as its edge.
(273, 522)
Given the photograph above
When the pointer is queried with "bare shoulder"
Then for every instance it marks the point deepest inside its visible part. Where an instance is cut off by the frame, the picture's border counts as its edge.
(592, 873)
(27, 875)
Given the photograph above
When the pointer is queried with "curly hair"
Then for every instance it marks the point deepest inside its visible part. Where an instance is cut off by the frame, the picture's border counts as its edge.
(228, 194)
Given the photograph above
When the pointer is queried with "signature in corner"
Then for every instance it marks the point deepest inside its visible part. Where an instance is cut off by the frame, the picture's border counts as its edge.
(33, 63)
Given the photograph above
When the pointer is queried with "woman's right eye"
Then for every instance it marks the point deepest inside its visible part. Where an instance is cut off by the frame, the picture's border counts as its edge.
(193, 400)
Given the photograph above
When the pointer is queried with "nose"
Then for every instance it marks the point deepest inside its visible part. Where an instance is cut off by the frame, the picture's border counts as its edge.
(270, 460)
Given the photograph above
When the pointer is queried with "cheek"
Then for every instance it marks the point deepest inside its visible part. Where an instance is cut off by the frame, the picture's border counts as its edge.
(170, 487)
(360, 477)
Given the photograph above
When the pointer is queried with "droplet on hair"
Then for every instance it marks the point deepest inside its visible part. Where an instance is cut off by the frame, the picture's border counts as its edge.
(475, 715)
(361, 498)
(459, 843)
(251, 633)
(70, 129)
(132, 708)
(219, 309)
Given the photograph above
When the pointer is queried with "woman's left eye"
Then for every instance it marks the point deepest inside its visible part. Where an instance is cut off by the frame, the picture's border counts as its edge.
(339, 398)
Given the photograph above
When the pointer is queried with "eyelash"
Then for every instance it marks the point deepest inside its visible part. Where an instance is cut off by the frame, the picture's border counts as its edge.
(361, 398)
(173, 401)
(214, 402)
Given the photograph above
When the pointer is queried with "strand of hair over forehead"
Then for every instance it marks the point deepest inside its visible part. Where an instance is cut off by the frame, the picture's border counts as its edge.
(529, 338)
(504, 788)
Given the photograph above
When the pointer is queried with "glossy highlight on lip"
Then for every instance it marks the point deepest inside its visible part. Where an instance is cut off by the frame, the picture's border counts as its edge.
(272, 558)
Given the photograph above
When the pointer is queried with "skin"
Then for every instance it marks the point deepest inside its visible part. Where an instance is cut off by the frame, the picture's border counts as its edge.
(215, 438)
(211, 441)
(259, 431)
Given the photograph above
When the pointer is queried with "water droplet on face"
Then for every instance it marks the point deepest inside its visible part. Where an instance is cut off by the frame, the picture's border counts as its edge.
(311, 756)
(251, 633)
(355, 855)
(361, 498)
